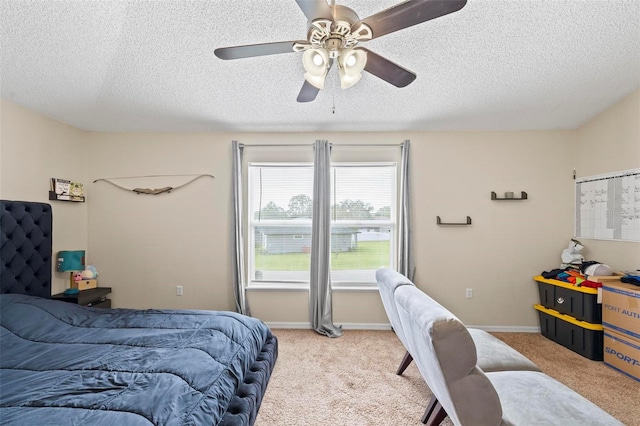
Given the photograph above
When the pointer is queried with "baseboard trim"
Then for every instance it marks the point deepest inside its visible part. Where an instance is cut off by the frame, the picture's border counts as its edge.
(507, 328)
(345, 326)
(383, 326)
(365, 326)
(291, 325)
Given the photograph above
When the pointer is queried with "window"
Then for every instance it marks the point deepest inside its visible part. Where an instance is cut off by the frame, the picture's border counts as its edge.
(363, 218)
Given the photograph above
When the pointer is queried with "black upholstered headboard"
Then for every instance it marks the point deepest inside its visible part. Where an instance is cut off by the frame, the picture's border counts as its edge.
(26, 247)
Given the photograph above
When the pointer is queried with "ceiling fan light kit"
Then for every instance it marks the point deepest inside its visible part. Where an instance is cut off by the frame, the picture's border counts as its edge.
(351, 63)
(316, 63)
(335, 31)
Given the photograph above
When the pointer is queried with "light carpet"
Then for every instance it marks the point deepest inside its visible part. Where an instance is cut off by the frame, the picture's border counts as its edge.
(351, 380)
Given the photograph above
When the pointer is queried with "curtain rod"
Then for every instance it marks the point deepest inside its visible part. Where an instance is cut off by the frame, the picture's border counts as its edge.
(369, 145)
(275, 144)
(333, 145)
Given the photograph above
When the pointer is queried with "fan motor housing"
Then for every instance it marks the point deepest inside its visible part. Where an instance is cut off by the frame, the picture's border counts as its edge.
(343, 13)
(327, 34)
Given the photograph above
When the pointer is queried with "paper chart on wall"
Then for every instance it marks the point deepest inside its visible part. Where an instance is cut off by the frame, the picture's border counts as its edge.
(608, 206)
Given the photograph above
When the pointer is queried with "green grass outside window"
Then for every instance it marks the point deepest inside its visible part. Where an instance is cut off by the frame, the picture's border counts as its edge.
(369, 255)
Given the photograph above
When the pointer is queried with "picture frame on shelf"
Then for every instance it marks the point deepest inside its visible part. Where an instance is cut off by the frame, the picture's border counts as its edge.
(66, 190)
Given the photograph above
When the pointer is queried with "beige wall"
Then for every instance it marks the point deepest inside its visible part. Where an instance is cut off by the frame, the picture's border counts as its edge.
(509, 241)
(608, 143)
(146, 245)
(33, 149)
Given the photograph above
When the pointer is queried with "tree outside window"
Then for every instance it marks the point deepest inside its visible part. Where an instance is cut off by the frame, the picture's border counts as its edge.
(362, 217)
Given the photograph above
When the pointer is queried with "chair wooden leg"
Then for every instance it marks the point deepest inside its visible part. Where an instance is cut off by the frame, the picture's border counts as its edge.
(436, 415)
(405, 363)
(430, 407)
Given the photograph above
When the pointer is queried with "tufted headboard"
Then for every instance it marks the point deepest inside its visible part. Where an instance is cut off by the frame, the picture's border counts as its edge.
(26, 248)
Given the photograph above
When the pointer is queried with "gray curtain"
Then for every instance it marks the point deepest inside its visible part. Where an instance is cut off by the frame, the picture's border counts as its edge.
(406, 263)
(320, 303)
(239, 279)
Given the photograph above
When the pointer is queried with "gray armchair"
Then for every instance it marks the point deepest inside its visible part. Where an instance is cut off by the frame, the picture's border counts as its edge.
(493, 353)
(446, 356)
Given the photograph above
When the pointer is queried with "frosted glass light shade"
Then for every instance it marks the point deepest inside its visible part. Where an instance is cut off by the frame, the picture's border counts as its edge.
(351, 64)
(316, 63)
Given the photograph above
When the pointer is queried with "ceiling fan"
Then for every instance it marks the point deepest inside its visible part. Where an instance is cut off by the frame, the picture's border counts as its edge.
(335, 33)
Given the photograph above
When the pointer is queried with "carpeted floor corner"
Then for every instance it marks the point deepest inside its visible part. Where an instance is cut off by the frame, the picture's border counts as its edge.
(348, 380)
(351, 380)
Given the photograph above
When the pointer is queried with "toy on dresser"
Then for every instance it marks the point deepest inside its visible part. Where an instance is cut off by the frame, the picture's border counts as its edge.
(86, 279)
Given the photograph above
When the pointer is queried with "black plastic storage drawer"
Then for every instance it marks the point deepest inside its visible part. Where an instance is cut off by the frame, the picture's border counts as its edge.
(581, 337)
(566, 298)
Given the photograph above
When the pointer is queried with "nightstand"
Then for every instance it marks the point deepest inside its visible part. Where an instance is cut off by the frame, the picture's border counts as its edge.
(94, 297)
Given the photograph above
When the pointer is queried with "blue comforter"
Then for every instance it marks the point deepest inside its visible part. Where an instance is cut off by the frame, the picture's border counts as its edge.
(67, 364)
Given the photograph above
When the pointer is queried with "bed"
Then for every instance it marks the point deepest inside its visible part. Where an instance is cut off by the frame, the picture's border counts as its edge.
(62, 363)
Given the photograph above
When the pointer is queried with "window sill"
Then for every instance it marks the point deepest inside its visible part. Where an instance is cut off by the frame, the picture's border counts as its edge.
(278, 287)
(305, 287)
(360, 287)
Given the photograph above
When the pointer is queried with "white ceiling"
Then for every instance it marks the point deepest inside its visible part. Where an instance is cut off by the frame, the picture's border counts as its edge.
(142, 65)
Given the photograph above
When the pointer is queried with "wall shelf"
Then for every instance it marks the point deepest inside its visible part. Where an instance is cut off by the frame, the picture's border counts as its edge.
(61, 197)
(440, 222)
(66, 190)
(494, 197)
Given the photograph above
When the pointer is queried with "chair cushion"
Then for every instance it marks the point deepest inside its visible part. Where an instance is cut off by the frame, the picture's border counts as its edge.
(495, 355)
(533, 398)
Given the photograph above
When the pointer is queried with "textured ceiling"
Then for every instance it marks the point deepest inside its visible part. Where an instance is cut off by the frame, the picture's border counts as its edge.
(146, 65)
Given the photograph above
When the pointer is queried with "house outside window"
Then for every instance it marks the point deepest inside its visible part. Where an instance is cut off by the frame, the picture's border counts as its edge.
(363, 223)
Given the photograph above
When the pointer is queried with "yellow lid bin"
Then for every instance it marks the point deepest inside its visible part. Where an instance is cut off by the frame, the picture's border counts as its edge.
(582, 337)
(566, 298)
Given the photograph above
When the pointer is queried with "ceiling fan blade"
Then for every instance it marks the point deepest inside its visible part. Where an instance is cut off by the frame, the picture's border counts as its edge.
(409, 13)
(251, 50)
(388, 71)
(314, 9)
(308, 92)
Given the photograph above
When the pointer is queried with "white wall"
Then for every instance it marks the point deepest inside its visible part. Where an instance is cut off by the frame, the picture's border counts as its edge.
(33, 150)
(146, 245)
(608, 143)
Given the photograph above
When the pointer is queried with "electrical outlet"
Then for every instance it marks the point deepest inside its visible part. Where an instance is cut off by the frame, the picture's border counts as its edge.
(469, 293)
(179, 290)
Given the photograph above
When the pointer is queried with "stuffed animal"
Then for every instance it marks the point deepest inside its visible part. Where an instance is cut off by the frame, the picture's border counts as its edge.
(90, 273)
(77, 276)
(571, 255)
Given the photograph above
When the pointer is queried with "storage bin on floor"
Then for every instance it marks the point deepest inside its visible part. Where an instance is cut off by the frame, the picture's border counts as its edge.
(581, 337)
(566, 298)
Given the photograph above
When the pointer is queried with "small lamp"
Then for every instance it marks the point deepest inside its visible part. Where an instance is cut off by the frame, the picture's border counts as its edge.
(351, 63)
(71, 261)
(316, 63)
